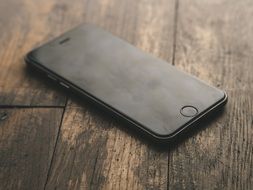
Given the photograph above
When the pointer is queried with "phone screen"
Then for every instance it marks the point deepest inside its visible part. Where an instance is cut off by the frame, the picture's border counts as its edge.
(146, 89)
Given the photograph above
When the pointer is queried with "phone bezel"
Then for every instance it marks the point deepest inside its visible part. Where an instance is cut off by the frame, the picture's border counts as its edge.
(31, 61)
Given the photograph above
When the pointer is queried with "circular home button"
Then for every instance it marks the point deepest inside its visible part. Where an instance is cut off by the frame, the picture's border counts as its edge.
(189, 111)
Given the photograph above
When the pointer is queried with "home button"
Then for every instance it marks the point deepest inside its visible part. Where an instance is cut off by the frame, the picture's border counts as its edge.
(189, 111)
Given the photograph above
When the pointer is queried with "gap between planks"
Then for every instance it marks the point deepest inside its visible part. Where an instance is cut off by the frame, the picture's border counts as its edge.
(56, 141)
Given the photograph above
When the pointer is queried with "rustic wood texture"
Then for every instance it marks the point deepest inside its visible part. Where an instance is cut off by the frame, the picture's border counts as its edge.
(27, 140)
(214, 42)
(23, 25)
(94, 152)
(56, 143)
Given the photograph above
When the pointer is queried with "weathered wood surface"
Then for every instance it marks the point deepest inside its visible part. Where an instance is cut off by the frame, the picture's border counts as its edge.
(88, 149)
(23, 25)
(92, 152)
(214, 42)
(27, 141)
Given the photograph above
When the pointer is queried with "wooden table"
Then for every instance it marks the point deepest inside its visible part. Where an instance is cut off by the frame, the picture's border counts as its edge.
(52, 140)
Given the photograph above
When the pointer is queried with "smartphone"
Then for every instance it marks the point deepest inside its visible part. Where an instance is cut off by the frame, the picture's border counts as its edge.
(148, 93)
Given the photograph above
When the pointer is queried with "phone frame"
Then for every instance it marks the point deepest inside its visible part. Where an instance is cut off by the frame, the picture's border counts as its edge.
(135, 124)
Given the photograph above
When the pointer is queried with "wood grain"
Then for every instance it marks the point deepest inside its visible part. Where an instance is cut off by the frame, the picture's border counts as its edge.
(214, 42)
(27, 140)
(23, 25)
(95, 152)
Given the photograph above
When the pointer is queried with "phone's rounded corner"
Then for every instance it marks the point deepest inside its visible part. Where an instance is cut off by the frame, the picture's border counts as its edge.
(28, 57)
(30, 60)
(225, 97)
(170, 137)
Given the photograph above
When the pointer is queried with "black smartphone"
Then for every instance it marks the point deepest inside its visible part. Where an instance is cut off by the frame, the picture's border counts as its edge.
(148, 93)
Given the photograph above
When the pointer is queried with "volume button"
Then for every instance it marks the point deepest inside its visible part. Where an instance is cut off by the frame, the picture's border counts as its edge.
(51, 77)
(64, 85)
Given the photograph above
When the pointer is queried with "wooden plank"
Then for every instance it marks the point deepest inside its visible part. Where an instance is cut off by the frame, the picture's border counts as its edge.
(27, 140)
(214, 42)
(23, 25)
(95, 152)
